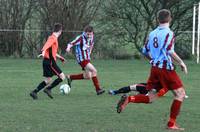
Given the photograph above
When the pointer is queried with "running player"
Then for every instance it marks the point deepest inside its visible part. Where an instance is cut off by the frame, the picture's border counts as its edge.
(160, 49)
(84, 44)
(50, 68)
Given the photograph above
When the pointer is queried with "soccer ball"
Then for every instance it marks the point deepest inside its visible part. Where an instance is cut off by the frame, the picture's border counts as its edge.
(64, 89)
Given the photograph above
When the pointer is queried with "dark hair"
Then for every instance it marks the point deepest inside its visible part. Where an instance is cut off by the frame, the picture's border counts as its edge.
(88, 28)
(164, 16)
(57, 27)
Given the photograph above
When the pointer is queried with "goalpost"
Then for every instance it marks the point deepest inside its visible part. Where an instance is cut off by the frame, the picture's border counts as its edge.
(196, 30)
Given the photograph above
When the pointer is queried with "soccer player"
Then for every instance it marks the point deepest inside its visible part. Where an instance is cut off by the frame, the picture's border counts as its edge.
(160, 49)
(83, 47)
(50, 68)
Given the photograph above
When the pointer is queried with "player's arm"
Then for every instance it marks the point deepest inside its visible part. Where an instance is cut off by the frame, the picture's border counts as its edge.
(147, 55)
(61, 58)
(69, 46)
(42, 54)
(73, 43)
(145, 50)
(46, 46)
(92, 43)
(91, 48)
(177, 59)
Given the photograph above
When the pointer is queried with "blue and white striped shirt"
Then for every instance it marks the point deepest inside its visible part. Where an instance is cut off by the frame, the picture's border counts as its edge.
(159, 45)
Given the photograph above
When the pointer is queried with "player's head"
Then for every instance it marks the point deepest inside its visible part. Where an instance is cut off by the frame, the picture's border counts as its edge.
(57, 28)
(164, 16)
(89, 31)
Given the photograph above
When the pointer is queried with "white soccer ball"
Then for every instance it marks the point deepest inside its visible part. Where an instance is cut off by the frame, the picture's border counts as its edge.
(65, 89)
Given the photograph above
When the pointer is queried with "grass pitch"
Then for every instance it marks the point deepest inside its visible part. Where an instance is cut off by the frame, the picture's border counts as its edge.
(82, 110)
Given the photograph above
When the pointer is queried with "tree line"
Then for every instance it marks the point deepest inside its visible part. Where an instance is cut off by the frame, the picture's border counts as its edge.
(121, 26)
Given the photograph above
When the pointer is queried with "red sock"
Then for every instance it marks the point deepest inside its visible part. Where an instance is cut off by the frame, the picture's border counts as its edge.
(96, 83)
(175, 109)
(140, 98)
(162, 91)
(76, 77)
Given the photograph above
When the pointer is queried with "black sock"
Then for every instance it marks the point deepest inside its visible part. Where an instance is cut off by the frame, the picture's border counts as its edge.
(123, 90)
(40, 86)
(55, 83)
(141, 89)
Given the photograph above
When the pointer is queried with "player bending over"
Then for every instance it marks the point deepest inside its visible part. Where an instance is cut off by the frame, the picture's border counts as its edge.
(140, 88)
(83, 48)
(160, 49)
(50, 68)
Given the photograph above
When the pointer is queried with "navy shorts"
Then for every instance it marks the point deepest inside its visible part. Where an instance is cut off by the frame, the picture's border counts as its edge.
(50, 68)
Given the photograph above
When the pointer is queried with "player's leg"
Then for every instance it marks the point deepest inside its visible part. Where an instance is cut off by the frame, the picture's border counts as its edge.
(175, 84)
(76, 76)
(149, 87)
(80, 76)
(141, 88)
(87, 74)
(44, 83)
(72, 77)
(60, 78)
(125, 89)
(47, 73)
(179, 95)
(92, 69)
(140, 98)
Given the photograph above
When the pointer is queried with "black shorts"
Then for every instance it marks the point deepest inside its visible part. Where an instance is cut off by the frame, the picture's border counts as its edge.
(50, 68)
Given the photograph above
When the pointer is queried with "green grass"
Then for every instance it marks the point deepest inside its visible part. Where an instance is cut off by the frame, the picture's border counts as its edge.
(82, 110)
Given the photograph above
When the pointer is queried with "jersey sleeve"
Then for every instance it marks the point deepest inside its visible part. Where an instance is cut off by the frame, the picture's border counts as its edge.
(146, 48)
(76, 41)
(48, 44)
(170, 44)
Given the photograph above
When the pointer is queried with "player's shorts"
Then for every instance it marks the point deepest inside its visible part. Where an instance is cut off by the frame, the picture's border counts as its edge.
(163, 78)
(50, 68)
(84, 63)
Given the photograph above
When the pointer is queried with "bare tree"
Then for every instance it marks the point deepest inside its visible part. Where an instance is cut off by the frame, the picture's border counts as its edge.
(73, 14)
(137, 17)
(13, 15)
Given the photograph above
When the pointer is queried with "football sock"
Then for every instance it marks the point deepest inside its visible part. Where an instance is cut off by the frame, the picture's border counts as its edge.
(162, 91)
(175, 109)
(76, 77)
(123, 90)
(140, 98)
(141, 89)
(96, 83)
(55, 83)
(40, 86)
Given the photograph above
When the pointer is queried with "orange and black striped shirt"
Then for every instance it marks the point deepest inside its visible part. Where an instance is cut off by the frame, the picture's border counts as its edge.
(51, 47)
